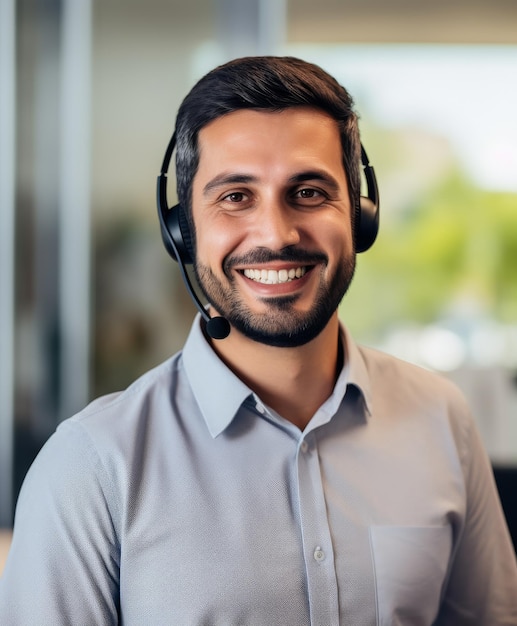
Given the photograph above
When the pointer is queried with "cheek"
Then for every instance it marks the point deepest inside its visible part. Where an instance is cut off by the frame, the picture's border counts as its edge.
(214, 242)
(336, 239)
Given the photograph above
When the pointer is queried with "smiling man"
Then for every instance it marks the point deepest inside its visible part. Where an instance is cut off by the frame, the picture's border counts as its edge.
(272, 214)
(275, 473)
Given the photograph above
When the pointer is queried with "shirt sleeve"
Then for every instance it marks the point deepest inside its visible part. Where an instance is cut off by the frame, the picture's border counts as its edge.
(482, 587)
(63, 565)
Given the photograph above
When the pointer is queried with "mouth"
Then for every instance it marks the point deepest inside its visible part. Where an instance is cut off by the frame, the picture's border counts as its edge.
(275, 277)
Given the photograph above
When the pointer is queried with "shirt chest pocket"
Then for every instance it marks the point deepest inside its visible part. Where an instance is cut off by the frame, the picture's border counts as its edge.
(410, 567)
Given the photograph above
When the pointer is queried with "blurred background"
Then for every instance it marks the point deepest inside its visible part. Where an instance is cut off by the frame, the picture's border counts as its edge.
(89, 90)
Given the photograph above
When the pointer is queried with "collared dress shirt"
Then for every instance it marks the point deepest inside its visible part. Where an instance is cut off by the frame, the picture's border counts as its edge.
(184, 500)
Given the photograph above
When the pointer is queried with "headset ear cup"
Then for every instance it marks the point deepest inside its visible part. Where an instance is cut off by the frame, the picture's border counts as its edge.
(366, 224)
(186, 234)
(178, 229)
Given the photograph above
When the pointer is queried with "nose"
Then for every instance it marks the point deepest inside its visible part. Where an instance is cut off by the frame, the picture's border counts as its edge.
(277, 226)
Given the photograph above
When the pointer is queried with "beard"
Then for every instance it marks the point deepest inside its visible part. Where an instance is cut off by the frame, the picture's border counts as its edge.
(281, 325)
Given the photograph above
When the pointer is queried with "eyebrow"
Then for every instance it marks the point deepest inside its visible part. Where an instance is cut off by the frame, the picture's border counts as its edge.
(318, 175)
(234, 179)
(227, 179)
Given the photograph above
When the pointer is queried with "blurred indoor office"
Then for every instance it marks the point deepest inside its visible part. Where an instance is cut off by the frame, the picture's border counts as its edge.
(88, 96)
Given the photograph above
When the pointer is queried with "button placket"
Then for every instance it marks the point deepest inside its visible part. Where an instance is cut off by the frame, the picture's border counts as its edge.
(317, 544)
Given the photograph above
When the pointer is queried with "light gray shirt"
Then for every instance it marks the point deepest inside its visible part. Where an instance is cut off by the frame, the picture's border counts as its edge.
(184, 500)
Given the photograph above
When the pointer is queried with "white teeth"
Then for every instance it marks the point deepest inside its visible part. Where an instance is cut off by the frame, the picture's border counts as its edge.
(273, 277)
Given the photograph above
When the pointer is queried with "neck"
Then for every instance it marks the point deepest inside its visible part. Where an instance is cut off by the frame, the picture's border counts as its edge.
(293, 381)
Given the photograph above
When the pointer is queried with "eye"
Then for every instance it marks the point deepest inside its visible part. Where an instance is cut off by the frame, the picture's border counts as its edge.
(235, 197)
(309, 196)
(308, 193)
(235, 201)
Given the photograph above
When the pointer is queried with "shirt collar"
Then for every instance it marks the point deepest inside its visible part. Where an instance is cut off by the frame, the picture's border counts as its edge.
(358, 374)
(220, 393)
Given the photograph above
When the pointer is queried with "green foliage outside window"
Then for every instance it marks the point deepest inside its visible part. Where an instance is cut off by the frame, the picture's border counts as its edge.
(452, 254)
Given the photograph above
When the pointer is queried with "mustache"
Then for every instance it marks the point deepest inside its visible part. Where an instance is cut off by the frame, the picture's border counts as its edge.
(291, 254)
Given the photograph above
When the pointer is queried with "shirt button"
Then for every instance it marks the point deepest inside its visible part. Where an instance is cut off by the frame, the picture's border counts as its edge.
(261, 408)
(304, 446)
(319, 555)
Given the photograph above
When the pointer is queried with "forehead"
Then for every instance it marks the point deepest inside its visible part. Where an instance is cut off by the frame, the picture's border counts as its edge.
(250, 137)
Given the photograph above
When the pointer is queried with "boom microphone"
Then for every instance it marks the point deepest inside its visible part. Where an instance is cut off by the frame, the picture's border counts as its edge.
(217, 327)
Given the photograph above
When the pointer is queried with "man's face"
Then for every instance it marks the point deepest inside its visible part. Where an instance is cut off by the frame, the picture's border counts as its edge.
(271, 209)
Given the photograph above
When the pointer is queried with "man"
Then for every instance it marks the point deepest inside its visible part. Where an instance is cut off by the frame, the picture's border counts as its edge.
(281, 475)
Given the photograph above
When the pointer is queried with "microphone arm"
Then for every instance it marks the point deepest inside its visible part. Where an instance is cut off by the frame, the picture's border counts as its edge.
(216, 327)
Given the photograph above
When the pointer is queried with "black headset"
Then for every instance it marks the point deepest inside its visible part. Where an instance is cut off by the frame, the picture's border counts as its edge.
(177, 237)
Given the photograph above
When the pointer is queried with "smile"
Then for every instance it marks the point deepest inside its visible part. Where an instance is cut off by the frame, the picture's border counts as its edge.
(274, 277)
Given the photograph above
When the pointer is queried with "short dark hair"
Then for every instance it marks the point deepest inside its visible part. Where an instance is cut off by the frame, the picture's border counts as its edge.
(269, 83)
